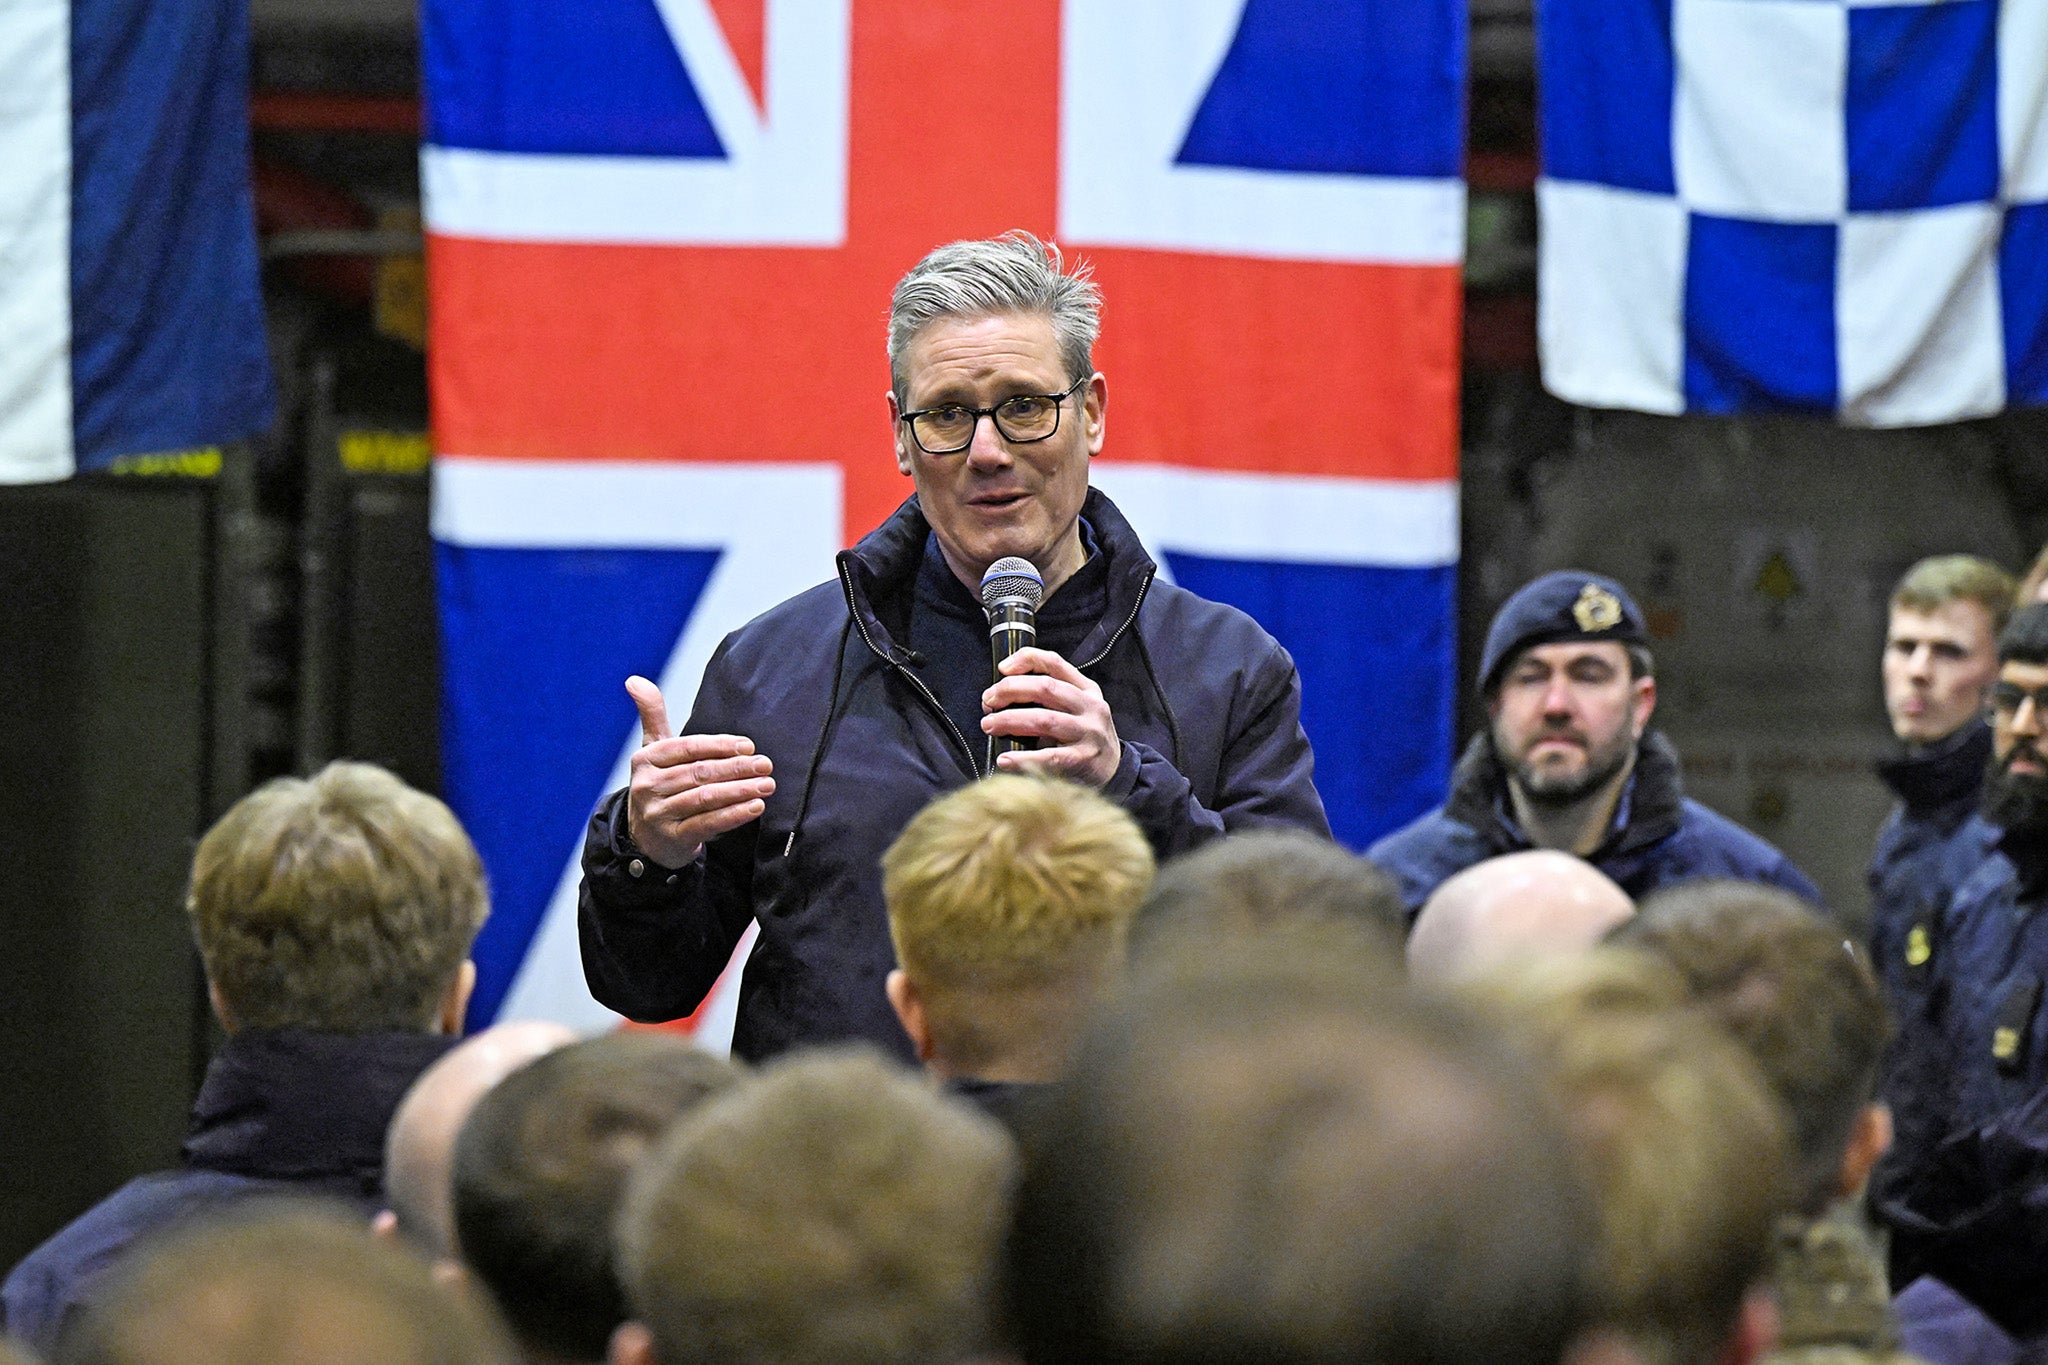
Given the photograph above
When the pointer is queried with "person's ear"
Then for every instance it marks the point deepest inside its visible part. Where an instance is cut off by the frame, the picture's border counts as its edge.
(1868, 1141)
(909, 1006)
(1642, 703)
(455, 1000)
(899, 432)
(632, 1344)
(1095, 412)
(221, 1009)
(1756, 1329)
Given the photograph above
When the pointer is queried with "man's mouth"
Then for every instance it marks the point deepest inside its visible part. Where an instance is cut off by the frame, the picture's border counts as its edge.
(996, 501)
(2026, 761)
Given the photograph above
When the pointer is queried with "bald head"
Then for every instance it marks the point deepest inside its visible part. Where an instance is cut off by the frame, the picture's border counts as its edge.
(1518, 905)
(419, 1147)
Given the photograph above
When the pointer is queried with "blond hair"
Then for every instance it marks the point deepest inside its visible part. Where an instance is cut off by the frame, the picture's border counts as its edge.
(1686, 1148)
(346, 901)
(1004, 882)
(830, 1208)
(1936, 581)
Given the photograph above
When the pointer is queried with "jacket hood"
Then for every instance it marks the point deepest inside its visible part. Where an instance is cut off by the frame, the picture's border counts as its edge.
(1654, 802)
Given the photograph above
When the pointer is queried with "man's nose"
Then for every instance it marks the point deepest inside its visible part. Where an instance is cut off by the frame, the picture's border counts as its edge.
(987, 447)
(1920, 663)
(1557, 696)
(2027, 719)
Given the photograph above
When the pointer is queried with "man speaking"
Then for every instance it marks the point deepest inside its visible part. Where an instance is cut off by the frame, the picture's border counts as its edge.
(823, 726)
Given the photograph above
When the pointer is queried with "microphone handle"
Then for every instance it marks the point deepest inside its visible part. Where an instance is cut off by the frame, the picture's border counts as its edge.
(1011, 626)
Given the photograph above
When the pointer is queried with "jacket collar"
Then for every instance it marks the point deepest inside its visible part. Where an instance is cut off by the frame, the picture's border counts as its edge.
(879, 572)
(1948, 772)
(304, 1106)
(1650, 809)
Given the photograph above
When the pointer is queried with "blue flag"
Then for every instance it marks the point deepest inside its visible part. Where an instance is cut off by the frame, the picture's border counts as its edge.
(131, 313)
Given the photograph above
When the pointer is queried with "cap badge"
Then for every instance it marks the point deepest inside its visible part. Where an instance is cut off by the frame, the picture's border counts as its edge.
(1597, 609)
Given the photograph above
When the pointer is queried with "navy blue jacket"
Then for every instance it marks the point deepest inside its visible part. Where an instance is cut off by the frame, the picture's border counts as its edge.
(1931, 842)
(281, 1113)
(1208, 707)
(1659, 837)
(1973, 1209)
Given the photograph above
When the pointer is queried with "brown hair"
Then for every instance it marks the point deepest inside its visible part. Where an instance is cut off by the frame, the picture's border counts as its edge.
(829, 1208)
(1793, 991)
(346, 901)
(542, 1163)
(1685, 1145)
(279, 1280)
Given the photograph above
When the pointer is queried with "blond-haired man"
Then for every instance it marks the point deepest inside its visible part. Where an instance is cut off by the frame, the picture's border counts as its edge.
(1010, 906)
(334, 916)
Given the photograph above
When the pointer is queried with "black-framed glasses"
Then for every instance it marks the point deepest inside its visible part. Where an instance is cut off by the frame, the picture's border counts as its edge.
(2007, 698)
(1027, 417)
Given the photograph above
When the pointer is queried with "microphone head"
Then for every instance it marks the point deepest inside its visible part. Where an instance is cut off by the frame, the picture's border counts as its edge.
(1011, 582)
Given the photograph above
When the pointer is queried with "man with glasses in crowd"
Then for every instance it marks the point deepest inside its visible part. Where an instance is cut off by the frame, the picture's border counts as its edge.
(822, 727)
(1971, 1209)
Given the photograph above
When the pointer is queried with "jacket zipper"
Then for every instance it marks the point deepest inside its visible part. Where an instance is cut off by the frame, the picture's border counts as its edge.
(846, 587)
(1118, 634)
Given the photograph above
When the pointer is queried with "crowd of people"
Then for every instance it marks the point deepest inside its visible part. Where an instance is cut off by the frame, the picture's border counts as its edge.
(1087, 1042)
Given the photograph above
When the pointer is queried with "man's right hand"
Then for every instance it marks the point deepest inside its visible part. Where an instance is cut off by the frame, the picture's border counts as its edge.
(686, 791)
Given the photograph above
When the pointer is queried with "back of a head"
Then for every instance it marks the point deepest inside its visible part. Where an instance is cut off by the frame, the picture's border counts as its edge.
(1799, 997)
(1281, 1157)
(1519, 905)
(830, 1208)
(1248, 884)
(2033, 584)
(419, 1146)
(275, 1282)
(1010, 905)
(540, 1168)
(1684, 1143)
(346, 901)
(1934, 582)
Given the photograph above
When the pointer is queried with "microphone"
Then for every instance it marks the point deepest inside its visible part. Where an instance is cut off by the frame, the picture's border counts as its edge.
(1010, 593)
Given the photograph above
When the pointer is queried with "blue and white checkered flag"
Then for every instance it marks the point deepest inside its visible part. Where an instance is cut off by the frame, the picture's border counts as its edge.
(1822, 206)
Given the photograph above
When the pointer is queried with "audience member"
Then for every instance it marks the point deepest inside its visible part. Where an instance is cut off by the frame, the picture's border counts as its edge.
(1972, 1209)
(1249, 883)
(539, 1170)
(1941, 654)
(1685, 1145)
(1518, 905)
(828, 1209)
(279, 1282)
(1010, 905)
(1808, 1009)
(1568, 760)
(419, 1147)
(1278, 1156)
(334, 917)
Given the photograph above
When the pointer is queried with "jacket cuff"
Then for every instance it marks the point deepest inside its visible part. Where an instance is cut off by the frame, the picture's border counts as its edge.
(1124, 780)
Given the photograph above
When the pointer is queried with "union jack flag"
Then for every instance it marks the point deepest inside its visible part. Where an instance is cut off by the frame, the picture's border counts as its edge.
(662, 236)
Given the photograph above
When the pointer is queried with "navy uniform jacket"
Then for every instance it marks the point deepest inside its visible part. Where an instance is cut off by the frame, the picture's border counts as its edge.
(1659, 837)
(1973, 1210)
(1208, 707)
(1932, 841)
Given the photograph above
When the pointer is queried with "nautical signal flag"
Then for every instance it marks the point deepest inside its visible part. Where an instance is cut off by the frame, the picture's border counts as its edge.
(661, 242)
(1781, 206)
(131, 312)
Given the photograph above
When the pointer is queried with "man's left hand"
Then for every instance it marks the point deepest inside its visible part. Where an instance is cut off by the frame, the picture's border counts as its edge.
(1043, 697)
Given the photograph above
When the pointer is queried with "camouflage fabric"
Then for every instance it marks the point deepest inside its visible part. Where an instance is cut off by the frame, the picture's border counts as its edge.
(1833, 1302)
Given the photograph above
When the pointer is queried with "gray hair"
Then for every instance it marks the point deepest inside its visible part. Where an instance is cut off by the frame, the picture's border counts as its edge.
(994, 277)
